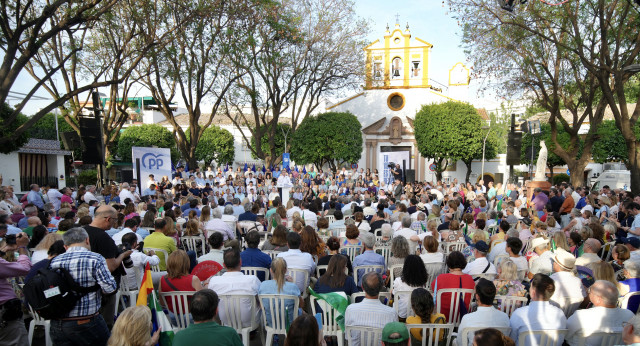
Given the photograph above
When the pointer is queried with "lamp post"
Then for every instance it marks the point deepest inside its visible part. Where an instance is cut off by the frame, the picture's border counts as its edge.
(484, 144)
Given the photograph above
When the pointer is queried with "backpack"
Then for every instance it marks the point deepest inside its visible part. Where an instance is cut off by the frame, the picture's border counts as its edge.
(53, 293)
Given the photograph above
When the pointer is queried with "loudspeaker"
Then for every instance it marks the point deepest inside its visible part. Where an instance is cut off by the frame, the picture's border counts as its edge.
(91, 134)
(514, 145)
(410, 175)
(71, 140)
(127, 176)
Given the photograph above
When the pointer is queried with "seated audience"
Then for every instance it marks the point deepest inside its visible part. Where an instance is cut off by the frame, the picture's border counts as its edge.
(252, 256)
(133, 328)
(368, 256)
(414, 275)
(304, 331)
(278, 241)
(216, 241)
(423, 306)
(178, 278)
(491, 337)
(631, 283)
(399, 252)
(431, 253)
(297, 259)
(486, 315)
(157, 240)
(279, 284)
(333, 244)
(508, 283)
(480, 264)
(335, 279)
(569, 290)
(455, 278)
(395, 334)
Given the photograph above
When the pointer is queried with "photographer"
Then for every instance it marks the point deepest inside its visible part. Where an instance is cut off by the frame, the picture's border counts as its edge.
(397, 172)
(137, 259)
(12, 328)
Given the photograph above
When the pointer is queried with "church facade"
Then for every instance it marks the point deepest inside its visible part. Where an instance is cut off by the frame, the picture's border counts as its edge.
(396, 86)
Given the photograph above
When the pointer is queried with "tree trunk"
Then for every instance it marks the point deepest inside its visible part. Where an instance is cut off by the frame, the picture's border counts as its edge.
(468, 164)
(576, 168)
(550, 174)
(634, 167)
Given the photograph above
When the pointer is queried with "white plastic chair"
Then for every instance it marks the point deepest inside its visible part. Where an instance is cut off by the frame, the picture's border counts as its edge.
(368, 336)
(255, 271)
(381, 296)
(321, 267)
(392, 269)
(446, 330)
(300, 278)
(464, 334)
(329, 315)
(330, 218)
(351, 250)
(180, 302)
(433, 270)
(367, 268)
(190, 242)
(276, 306)
(406, 297)
(623, 302)
(163, 258)
(603, 338)
(546, 337)
(453, 246)
(508, 304)
(124, 291)
(273, 254)
(454, 303)
(230, 308)
(384, 251)
(39, 321)
(568, 305)
(336, 231)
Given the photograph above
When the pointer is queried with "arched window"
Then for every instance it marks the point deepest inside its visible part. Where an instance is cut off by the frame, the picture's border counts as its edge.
(396, 68)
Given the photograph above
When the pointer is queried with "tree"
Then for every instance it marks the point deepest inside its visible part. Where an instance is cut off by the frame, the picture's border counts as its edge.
(314, 51)
(553, 160)
(7, 128)
(331, 138)
(147, 135)
(215, 144)
(532, 54)
(448, 132)
(45, 128)
(490, 151)
(281, 131)
(610, 146)
(195, 64)
(26, 28)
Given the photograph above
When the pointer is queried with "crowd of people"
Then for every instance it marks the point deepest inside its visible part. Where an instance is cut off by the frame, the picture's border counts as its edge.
(569, 257)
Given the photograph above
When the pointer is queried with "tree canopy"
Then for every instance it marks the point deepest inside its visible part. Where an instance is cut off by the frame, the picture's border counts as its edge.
(610, 146)
(448, 132)
(9, 127)
(563, 138)
(332, 138)
(271, 145)
(215, 144)
(146, 135)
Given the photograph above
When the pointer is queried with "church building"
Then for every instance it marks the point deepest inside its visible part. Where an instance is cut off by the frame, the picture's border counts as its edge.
(396, 86)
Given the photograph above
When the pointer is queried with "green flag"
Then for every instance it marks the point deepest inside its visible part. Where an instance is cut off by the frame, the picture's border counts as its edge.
(336, 301)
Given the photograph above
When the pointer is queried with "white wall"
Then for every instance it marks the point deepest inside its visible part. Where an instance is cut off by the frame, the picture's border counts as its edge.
(10, 170)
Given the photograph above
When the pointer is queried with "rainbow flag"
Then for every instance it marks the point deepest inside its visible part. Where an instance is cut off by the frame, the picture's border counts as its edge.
(147, 296)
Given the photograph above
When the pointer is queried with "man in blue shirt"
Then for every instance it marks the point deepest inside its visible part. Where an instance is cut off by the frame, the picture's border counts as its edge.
(34, 197)
(252, 256)
(368, 256)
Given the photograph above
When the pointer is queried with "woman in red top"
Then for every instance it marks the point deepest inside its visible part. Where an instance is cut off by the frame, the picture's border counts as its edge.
(178, 277)
(454, 279)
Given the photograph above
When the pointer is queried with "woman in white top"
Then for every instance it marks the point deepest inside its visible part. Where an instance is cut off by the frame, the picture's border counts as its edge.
(361, 223)
(430, 253)
(414, 275)
(43, 246)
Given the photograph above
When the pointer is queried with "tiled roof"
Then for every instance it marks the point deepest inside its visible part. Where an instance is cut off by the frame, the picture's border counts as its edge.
(43, 146)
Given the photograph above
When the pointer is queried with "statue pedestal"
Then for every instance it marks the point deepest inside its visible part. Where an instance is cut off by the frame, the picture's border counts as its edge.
(532, 185)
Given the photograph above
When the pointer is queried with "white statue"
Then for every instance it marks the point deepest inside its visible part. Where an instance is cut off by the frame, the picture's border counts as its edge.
(541, 165)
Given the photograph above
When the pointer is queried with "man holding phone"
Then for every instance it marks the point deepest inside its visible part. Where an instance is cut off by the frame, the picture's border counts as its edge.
(140, 260)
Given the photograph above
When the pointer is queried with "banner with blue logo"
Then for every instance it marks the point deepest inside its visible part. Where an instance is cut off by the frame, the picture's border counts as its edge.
(285, 160)
(156, 161)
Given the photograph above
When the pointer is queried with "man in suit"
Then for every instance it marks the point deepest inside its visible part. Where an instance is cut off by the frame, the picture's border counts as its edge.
(397, 189)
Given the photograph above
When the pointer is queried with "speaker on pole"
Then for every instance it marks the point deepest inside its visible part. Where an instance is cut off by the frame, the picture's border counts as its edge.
(91, 135)
(411, 175)
(514, 145)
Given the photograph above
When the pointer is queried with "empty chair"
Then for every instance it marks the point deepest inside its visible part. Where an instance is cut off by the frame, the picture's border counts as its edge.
(365, 336)
(547, 337)
(231, 307)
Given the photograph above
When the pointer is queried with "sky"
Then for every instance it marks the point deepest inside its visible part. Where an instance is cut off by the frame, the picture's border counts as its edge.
(429, 20)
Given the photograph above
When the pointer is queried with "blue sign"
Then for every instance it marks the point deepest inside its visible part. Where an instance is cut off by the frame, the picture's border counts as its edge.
(156, 161)
(568, 173)
(152, 161)
(285, 160)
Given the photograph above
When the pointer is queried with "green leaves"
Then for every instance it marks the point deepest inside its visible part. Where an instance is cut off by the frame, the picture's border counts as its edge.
(215, 144)
(147, 135)
(331, 137)
(610, 145)
(8, 129)
(450, 130)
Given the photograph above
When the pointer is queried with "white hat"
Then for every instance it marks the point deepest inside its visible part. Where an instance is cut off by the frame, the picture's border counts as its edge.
(538, 241)
(564, 259)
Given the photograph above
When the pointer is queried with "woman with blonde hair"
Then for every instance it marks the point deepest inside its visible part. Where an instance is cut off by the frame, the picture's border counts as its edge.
(475, 237)
(560, 240)
(178, 277)
(43, 246)
(508, 283)
(133, 328)
(281, 283)
(604, 271)
(192, 229)
(435, 213)
(205, 216)
(297, 226)
(141, 208)
(170, 230)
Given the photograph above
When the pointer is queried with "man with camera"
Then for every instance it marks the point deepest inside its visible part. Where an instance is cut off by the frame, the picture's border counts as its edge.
(137, 259)
(105, 217)
(12, 328)
(397, 172)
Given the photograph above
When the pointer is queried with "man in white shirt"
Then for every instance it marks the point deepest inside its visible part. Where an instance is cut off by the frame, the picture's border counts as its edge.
(480, 265)
(307, 215)
(139, 259)
(126, 193)
(539, 314)
(54, 198)
(604, 315)
(514, 245)
(370, 312)
(569, 292)
(235, 282)
(486, 315)
(408, 233)
(295, 208)
(89, 195)
(217, 225)
(130, 226)
(542, 263)
(590, 255)
(501, 247)
(216, 254)
(251, 179)
(297, 259)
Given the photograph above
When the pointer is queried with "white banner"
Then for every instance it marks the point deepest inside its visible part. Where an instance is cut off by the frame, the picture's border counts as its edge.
(156, 161)
(391, 156)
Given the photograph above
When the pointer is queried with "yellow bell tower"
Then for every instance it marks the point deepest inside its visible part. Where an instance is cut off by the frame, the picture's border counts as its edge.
(399, 62)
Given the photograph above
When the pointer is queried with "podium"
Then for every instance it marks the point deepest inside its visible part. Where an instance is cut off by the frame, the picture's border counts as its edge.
(286, 191)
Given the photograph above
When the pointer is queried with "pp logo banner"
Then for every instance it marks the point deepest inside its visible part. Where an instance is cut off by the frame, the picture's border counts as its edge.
(152, 161)
(156, 161)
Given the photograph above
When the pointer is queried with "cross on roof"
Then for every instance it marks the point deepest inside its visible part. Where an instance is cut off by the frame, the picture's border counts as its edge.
(398, 19)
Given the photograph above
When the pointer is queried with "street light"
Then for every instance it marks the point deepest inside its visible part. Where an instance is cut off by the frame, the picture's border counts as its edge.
(484, 144)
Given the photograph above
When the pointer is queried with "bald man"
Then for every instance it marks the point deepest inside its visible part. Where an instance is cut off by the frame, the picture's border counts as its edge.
(100, 242)
(590, 255)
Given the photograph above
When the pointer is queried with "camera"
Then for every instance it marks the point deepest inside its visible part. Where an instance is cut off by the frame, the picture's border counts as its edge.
(128, 263)
(391, 165)
(10, 239)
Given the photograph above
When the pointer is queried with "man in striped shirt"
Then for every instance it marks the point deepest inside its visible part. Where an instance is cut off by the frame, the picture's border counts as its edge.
(84, 324)
(370, 312)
